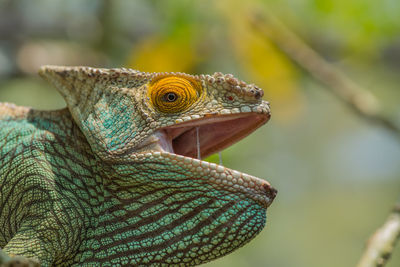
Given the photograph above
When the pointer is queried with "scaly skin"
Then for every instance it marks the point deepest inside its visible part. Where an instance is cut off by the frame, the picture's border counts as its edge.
(84, 185)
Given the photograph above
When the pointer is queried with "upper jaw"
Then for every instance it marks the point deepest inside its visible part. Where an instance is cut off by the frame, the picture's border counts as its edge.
(214, 134)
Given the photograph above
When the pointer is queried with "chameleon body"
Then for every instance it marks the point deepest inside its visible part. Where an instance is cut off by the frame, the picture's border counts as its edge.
(111, 180)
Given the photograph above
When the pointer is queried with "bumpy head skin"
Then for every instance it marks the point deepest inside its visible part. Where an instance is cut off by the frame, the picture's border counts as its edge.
(162, 207)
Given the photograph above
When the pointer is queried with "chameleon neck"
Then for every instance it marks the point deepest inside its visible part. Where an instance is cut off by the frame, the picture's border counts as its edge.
(153, 214)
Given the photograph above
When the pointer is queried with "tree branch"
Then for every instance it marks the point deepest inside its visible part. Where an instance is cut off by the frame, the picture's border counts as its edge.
(358, 99)
(382, 242)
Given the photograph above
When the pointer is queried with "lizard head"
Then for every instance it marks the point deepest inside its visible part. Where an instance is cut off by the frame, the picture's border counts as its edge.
(151, 131)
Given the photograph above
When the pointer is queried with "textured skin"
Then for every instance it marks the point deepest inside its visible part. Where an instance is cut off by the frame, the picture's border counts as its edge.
(75, 189)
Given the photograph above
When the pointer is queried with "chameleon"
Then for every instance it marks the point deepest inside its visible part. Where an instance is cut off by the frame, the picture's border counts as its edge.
(117, 178)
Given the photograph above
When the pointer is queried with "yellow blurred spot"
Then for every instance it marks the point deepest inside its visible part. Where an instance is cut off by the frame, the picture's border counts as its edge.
(157, 54)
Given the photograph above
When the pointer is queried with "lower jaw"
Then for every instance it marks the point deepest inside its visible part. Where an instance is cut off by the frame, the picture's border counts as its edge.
(218, 175)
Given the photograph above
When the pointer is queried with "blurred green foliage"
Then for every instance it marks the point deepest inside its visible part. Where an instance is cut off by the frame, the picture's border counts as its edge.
(337, 176)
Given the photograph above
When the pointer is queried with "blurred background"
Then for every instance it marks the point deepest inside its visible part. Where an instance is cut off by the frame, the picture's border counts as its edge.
(338, 176)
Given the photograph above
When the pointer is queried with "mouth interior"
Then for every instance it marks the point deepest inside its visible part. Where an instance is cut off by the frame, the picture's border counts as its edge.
(214, 134)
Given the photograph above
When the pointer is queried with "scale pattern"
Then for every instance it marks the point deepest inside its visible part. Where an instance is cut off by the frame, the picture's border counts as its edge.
(73, 191)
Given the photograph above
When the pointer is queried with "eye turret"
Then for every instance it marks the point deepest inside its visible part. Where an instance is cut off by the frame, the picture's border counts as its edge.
(172, 94)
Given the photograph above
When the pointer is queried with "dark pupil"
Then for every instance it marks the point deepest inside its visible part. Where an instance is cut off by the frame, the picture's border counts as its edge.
(170, 97)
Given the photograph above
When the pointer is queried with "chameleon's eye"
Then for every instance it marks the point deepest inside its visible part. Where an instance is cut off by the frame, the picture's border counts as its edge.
(173, 94)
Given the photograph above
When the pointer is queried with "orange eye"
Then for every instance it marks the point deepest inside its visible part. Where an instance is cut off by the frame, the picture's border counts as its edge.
(173, 94)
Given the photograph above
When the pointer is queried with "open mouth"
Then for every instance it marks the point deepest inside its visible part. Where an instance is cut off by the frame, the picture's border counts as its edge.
(199, 138)
(206, 136)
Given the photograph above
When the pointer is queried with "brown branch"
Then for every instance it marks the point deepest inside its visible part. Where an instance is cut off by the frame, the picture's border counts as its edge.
(358, 99)
(382, 242)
